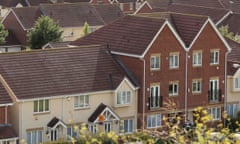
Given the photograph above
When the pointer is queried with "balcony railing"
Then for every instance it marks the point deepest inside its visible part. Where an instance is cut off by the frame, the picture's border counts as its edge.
(214, 96)
(155, 102)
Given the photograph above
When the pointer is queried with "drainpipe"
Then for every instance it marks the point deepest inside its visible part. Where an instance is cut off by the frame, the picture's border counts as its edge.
(225, 85)
(144, 87)
(186, 86)
(6, 118)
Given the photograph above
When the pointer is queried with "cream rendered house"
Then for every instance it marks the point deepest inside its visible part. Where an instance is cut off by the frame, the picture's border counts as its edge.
(58, 89)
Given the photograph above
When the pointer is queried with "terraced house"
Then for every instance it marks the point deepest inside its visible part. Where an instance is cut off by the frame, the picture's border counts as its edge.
(55, 90)
(178, 59)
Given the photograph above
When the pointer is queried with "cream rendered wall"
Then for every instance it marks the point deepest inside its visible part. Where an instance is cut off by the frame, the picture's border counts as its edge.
(73, 33)
(233, 95)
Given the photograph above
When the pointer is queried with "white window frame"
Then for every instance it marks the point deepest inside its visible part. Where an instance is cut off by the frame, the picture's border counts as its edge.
(232, 109)
(155, 94)
(197, 58)
(78, 101)
(196, 86)
(214, 86)
(174, 92)
(127, 127)
(44, 109)
(131, 6)
(154, 121)
(37, 140)
(108, 126)
(153, 62)
(214, 57)
(174, 60)
(215, 112)
(92, 127)
(72, 134)
(236, 83)
(124, 97)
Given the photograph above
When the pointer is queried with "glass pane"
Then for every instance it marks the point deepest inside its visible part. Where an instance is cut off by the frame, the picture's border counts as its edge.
(35, 106)
(81, 100)
(158, 120)
(125, 126)
(128, 97)
(40, 105)
(152, 62)
(34, 137)
(87, 100)
(118, 97)
(131, 125)
(157, 62)
(40, 136)
(29, 137)
(76, 101)
(46, 105)
(149, 121)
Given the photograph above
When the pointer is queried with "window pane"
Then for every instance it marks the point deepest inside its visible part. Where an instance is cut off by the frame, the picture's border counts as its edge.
(40, 105)
(35, 106)
(118, 97)
(29, 137)
(76, 101)
(46, 105)
(128, 97)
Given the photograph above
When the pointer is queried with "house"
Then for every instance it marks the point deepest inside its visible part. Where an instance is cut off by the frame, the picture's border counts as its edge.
(169, 54)
(233, 79)
(233, 22)
(56, 91)
(21, 20)
(7, 133)
(233, 5)
(6, 4)
(11, 44)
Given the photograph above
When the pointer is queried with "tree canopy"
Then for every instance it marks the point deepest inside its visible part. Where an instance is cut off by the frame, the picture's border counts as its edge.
(3, 34)
(45, 30)
(224, 30)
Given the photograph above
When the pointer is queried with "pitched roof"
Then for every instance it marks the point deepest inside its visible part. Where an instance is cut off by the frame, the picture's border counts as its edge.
(12, 3)
(27, 15)
(7, 132)
(234, 55)
(4, 96)
(159, 3)
(54, 122)
(200, 3)
(37, 2)
(57, 72)
(216, 14)
(233, 21)
(97, 112)
(69, 14)
(233, 5)
(135, 37)
(62, 44)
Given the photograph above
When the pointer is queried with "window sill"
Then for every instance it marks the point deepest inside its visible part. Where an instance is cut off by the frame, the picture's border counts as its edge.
(173, 68)
(214, 64)
(41, 113)
(81, 108)
(121, 105)
(155, 69)
(173, 95)
(197, 66)
(196, 93)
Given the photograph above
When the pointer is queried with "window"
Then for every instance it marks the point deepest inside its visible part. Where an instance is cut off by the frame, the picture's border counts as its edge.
(155, 62)
(154, 96)
(153, 121)
(131, 6)
(197, 58)
(128, 126)
(92, 128)
(41, 106)
(196, 86)
(173, 88)
(108, 126)
(214, 92)
(71, 132)
(53, 135)
(232, 110)
(81, 101)
(214, 57)
(35, 137)
(215, 113)
(123, 97)
(174, 60)
(236, 83)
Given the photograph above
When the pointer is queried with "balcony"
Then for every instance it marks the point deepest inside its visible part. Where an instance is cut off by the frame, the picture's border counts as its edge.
(214, 96)
(155, 102)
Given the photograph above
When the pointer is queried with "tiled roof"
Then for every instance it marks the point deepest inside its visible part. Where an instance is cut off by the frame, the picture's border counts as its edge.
(7, 132)
(70, 14)
(200, 3)
(37, 2)
(62, 44)
(56, 72)
(27, 15)
(233, 5)
(97, 112)
(134, 37)
(131, 34)
(4, 96)
(215, 14)
(234, 55)
(12, 3)
(233, 21)
(159, 3)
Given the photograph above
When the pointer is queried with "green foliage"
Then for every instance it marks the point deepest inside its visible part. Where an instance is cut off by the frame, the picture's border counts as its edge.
(224, 30)
(45, 30)
(85, 29)
(3, 34)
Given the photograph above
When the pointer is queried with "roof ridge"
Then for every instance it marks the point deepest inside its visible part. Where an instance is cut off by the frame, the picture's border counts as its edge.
(197, 6)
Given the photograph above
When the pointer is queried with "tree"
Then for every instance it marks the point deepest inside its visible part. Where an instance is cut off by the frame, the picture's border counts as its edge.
(45, 30)
(224, 30)
(86, 29)
(3, 34)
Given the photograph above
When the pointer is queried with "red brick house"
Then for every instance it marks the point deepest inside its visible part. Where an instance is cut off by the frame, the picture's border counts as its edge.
(7, 134)
(178, 59)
